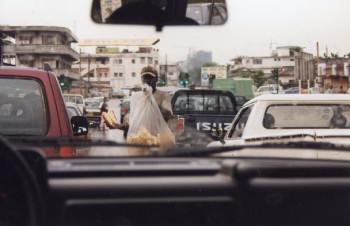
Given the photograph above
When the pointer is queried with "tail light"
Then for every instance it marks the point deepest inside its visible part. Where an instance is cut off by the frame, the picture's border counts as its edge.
(67, 151)
(123, 110)
(180, 126)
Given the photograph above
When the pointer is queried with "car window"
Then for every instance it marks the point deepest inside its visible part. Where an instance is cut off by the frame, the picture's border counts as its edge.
(22, 107)
(239, 126)
(195, 103)
(79, 100)
(226, 104)
(211, 103)
(92, 104)
(180, 103)
(71, 99)
(307, 116)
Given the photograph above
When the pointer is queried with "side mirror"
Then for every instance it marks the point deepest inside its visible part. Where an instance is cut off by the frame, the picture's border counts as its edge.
(80, 125)
(219, 135)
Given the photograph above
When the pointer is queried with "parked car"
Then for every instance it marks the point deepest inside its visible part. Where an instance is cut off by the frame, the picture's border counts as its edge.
(280, 118)
(73, 110)
(118, 93)
(93, 110)
(31, 104)
(268, 89)
(202, 112)
(76, 99)
(292, 90)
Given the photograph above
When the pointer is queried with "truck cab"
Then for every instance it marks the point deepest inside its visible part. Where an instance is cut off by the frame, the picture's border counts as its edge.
(205, 114)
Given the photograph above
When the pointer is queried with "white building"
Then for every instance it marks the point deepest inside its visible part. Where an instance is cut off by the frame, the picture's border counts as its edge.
(110, 67)
(292, 62)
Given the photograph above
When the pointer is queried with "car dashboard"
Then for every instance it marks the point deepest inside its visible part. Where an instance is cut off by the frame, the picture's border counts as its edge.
(194, 191)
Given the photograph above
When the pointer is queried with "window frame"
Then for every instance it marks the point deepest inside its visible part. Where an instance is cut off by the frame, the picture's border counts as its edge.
(187, 111)
(229, 134)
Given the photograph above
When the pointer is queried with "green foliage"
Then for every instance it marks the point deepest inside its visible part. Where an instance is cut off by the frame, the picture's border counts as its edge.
(258, 78)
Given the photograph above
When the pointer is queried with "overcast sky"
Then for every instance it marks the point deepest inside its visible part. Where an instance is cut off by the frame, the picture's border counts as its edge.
(252, 26)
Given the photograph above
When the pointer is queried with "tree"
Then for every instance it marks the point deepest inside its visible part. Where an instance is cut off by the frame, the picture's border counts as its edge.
(258, 78)
(210, 64)
(334, 55)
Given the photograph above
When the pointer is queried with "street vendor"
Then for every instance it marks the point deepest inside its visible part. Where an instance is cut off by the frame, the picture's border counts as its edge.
(149, 76)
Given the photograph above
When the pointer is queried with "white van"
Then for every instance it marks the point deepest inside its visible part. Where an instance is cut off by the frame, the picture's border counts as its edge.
(76, 99)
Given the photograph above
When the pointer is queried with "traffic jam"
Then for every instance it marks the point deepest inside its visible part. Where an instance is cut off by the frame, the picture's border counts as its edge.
(128, 90)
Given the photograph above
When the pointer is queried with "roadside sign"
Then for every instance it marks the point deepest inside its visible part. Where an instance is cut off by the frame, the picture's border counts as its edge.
(220, 72)
(204, 78)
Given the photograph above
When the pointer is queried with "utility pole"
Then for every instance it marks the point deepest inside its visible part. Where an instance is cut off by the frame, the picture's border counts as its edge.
(81, 77)
(2, 36)
(88, 88)
(1, 60)
(166, 68)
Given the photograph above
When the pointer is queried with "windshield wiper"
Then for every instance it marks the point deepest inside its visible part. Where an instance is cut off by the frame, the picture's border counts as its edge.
(200, 152)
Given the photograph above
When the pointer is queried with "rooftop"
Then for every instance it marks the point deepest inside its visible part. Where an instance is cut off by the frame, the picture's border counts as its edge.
(12, 30)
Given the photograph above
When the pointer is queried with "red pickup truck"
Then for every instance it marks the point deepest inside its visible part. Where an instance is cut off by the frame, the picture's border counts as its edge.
(31, 104)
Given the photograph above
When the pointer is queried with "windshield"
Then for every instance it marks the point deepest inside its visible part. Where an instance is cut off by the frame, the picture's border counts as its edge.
(92, 104)
(180, 86)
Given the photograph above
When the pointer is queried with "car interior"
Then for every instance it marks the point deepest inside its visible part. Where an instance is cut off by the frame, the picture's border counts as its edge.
(170, 190)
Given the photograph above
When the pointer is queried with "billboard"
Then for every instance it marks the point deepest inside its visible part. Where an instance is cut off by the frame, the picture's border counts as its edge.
(220, 72)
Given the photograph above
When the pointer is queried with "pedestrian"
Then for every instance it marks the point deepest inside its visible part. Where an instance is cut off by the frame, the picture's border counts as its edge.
(341, 90)
(151, 113)
(108, 119)
(149, 76)
(104, 109)
(329, 90)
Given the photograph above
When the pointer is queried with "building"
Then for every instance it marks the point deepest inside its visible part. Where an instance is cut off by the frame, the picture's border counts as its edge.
(293, 65)
(112, 68)
(334, 73)
(35, 46)
(170, 73)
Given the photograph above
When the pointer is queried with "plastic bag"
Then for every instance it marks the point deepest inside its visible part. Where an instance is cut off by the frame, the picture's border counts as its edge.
(145, 115)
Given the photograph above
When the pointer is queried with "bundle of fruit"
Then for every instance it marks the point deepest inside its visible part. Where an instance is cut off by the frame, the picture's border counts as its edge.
(144, 137)
(110, 119)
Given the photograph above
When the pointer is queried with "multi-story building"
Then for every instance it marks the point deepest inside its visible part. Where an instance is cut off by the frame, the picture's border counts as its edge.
(35, 46)
(116, 69)
(170, 73)
(334, 73)
(293, 64)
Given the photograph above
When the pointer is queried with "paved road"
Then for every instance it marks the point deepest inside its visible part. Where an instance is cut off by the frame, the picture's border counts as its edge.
(114, 135)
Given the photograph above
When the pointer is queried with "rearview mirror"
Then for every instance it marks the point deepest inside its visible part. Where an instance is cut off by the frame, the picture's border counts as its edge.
(80, 125)
(160, 13)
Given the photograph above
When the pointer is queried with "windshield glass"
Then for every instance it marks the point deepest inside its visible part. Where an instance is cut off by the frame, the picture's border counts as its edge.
(22, 107)
(313, 116)
(175, 86)
(92, 104)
